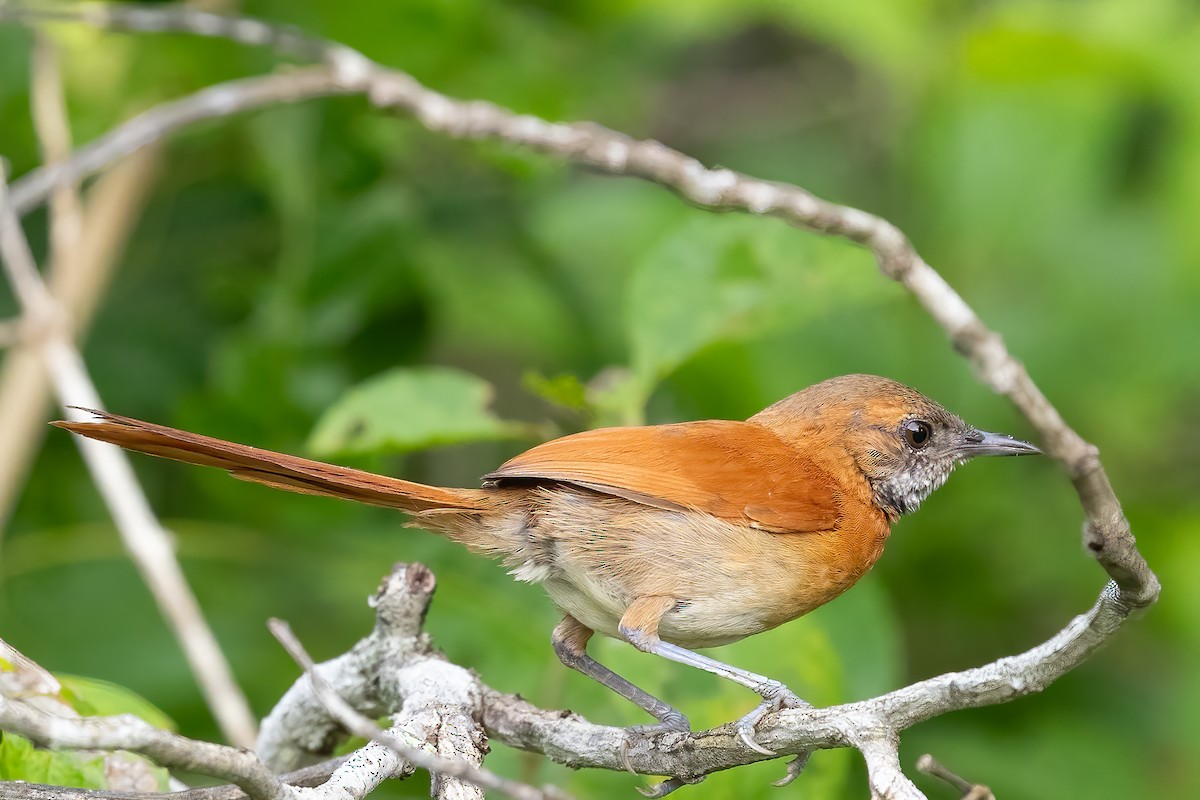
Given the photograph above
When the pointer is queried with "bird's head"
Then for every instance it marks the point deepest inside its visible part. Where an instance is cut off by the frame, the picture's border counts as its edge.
(904, 444)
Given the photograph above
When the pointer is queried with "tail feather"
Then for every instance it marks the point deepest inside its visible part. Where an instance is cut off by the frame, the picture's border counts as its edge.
(278, 470)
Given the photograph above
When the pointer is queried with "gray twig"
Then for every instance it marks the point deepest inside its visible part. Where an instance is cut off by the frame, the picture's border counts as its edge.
(313, 775)
(159, 122)
(127, 732)
(966, 790)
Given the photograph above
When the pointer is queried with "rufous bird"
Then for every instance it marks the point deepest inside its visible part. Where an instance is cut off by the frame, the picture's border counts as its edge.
(669, 537)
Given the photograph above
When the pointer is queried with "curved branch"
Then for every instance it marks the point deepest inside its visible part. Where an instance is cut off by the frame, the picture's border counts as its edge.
(221, 100)
(576, 743)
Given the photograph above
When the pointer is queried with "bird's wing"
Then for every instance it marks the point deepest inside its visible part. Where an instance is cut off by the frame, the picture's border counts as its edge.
(739, 471)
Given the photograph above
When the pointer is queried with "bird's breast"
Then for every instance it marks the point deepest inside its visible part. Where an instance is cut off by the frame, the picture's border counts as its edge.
(595, 555)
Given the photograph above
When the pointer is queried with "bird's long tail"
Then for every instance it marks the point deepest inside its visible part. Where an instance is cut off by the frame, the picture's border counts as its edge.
(290, 473)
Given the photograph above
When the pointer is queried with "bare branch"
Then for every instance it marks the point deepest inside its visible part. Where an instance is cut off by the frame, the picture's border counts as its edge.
(151, 126)
(127, 732)
(53, 128)
(967, 790)
(314, 775)
(24, 384)
(147, 542)
(85, 244)
(870, 725)
(77, 284)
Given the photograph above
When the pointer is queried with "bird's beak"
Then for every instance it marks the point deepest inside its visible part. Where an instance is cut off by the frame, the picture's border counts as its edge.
(981, 443)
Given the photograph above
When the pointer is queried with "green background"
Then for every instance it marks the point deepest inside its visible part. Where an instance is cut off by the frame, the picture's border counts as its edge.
(1045, 156)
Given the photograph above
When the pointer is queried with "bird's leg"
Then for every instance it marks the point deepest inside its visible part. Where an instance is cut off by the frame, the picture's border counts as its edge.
(639, 626)
(570, 640)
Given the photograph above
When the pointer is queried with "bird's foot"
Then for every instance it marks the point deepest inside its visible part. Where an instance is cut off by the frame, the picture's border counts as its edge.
(664, 788)
(670, 722)
(794, 768)
(775, 697)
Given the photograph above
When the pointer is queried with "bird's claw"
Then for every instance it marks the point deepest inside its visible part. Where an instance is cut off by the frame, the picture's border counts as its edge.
(794, 768)
(673, 722)
(775, 698)
(666, 787)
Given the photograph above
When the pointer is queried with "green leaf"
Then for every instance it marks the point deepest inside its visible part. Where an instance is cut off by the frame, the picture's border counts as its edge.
(21, 761)
(410, 409)
(92, 697)
(565, 390)
(733, 278)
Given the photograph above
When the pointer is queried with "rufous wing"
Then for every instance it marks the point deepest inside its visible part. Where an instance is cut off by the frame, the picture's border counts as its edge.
(281, 471)
(739, 471)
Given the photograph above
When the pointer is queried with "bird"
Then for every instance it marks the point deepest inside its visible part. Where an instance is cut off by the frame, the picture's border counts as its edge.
(672, 537)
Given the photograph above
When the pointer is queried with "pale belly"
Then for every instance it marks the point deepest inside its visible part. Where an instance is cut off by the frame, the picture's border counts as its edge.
(595, 558)
(692, 623)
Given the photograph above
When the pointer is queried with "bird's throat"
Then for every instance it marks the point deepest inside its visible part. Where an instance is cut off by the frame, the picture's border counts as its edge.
(904, 492)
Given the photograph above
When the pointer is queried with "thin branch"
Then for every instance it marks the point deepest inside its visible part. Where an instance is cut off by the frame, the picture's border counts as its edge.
(113, 204)
(568, 739)
(86, 241)
(1107, 532)
(24, 384)
(213, 102)
(313, 775)
(966, 790)
(147, 542)
(52, 125)
(32, 704)
(127, 732)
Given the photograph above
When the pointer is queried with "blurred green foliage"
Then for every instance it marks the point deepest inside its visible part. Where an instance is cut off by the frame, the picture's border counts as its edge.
(1044, 155)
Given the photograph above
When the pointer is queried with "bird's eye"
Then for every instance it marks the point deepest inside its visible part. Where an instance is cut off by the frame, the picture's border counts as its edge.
(917, 432)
